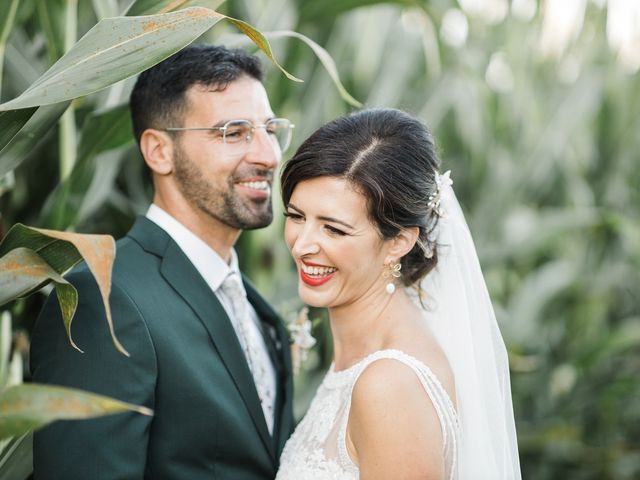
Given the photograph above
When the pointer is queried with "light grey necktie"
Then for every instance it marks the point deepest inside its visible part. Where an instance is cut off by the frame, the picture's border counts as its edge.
(252, 344)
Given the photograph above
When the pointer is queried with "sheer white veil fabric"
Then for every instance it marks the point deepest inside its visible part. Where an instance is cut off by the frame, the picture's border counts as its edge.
(460, 314)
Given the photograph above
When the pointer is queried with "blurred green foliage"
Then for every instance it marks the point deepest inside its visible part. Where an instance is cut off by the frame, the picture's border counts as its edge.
(540, 129)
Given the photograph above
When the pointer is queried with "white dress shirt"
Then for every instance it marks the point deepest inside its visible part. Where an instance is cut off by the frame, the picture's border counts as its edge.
(213, 270)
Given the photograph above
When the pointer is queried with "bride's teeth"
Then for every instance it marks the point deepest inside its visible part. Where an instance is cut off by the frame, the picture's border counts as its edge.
(317, 271)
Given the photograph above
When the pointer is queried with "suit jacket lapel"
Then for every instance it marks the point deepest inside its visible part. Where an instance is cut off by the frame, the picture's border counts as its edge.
(185, 279)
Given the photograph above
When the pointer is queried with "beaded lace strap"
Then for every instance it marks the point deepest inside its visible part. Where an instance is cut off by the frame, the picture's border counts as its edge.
(436, 392)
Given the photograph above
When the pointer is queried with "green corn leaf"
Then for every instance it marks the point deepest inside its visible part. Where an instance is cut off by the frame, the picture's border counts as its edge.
(20, 144)
(29, 406)
(117, 48)
(8, 13)
(105, 8)
(149, 7)
(325, 59)
(23, 271)
(33, 257)
(12, 122)
(51, 15)
(102, 131)
(16, 458)
(312, 10)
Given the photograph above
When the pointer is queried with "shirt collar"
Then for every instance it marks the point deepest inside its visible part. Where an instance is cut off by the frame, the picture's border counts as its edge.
(207, 261)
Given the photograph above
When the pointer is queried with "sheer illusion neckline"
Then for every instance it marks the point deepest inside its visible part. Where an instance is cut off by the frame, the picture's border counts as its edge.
(338, 378)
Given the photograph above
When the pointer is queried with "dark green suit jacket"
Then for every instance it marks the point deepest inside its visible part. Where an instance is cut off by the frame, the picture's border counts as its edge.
(186, 364)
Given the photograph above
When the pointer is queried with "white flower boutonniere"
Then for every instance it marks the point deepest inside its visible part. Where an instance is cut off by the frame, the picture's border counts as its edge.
(301, 339)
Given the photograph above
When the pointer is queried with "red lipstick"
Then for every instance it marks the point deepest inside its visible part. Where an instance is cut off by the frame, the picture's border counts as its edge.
(314, 282)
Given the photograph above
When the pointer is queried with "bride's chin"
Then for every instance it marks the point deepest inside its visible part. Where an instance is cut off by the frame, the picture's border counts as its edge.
(311, 300)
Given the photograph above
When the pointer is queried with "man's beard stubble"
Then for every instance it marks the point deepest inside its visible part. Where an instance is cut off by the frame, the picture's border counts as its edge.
(222, 205)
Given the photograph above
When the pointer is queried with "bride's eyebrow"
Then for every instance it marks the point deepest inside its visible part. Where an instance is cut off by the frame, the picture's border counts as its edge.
(323, 218)
(335, 220)
(292, 206)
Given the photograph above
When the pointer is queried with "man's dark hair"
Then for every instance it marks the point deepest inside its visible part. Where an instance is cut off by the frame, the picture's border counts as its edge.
(157, 99)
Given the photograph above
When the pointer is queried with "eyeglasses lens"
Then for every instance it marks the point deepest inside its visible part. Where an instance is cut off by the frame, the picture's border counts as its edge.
(240, 133)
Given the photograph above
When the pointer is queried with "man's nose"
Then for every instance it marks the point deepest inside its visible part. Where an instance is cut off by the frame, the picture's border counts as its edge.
(263, 150)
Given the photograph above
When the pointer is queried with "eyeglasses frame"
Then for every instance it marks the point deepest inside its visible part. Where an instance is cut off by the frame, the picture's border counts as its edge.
(224, 128)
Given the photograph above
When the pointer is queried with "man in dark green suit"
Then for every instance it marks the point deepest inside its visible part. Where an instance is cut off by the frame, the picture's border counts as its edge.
(212, 363)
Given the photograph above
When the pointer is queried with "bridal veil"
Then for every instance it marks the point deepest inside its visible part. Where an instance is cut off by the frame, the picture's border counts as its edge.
(460, 314)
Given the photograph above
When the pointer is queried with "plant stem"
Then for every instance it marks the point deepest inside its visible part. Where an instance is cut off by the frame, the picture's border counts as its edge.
(2, 49)
(68, 133)
(4, 35)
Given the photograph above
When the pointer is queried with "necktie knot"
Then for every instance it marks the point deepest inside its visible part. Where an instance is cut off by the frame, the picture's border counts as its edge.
(232, 286)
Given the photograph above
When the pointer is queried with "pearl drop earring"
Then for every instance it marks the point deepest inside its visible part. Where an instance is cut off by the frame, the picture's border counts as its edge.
(392, 271)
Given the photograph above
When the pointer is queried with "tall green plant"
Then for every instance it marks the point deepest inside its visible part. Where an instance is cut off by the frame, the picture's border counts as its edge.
(114, 49)
(30, 259)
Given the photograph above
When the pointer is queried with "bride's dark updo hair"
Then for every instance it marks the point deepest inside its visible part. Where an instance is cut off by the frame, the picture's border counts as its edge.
(390, 158)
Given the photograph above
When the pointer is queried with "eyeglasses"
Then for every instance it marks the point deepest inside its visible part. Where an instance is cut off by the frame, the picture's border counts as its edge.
(239, 133)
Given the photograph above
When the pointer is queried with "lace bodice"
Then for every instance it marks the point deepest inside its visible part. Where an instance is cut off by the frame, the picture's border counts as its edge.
(317, 449)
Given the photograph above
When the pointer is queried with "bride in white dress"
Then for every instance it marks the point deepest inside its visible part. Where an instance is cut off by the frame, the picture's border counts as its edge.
(419, 385)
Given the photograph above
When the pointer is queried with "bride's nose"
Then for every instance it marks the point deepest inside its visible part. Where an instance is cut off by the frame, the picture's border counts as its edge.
(305, 243)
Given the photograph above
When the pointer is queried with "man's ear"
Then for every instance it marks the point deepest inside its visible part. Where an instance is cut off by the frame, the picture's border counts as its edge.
(157, 149)
(402, 243)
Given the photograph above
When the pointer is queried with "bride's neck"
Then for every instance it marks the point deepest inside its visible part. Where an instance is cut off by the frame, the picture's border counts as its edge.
(365, 326)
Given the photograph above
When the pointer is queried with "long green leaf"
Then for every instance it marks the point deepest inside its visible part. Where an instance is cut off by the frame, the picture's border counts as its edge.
(49, 248)
(150, 7)
(29, 406)
(325, 59)
(12, 122)
(23, 271)
(102, 131)
(16, 150)
(64, 249)
(16, 459)
(262, 43)
(99, 192)
(312, 10)
(59, 254)
(117, 48)
(105, 8)
(6, 337)
(8, 13)
(51, 14)
(7, 17)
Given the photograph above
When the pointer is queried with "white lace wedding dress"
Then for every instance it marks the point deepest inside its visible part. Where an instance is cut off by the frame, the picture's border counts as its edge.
(317, 449)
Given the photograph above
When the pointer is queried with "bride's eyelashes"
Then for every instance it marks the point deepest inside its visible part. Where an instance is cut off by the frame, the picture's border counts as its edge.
(335, 231)
(296, 217)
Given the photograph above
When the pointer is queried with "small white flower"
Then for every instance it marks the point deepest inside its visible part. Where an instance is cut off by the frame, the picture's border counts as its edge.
(301, 339)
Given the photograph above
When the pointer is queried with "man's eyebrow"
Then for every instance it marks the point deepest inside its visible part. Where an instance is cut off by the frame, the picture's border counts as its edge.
(323, 218)
(222, 123)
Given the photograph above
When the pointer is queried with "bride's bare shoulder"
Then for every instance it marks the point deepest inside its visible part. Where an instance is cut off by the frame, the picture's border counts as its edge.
(419, 343)
(391, 426)
(435, 359)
